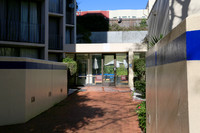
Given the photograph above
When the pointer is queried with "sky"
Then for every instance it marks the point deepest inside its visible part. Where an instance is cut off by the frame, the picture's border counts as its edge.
(88, 5)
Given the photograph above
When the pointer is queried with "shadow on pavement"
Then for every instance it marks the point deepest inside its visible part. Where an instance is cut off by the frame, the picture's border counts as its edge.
(71, 114)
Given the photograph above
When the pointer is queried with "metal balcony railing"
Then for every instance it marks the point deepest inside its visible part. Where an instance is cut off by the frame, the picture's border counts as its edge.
(21, 32)
(55, 42)
(56, 6)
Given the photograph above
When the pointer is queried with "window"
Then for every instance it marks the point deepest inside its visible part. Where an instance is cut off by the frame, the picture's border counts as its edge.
(133, 16)
(69, 36)
(21, 21)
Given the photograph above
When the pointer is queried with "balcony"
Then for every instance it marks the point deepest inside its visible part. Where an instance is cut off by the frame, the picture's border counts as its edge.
(55, 42)
(21, 32)
(56, 6)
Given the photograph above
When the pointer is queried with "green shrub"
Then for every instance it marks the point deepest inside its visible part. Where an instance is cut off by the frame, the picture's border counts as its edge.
(71, 65)
(122, 71)
(139, 68)
(139, 80)
(141, 111)
(140, 86)
(154, 40)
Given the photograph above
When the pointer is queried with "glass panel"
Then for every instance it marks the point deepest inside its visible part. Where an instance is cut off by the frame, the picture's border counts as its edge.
(94, 76)
(4, 51)
(82, 62)
(109, 66)
(122, 69)
(69, 36)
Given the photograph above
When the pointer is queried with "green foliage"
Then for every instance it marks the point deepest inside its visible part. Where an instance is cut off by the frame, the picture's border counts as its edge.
(154, 40)
(109, 69)
(122, 70)
(139, 70)
(140, 86)
(141, 111)
(71, 64)
(143, 23)
(116, 27)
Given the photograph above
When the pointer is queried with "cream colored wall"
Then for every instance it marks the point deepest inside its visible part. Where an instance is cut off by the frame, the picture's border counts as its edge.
(167, 102)
(137, 13)
(193, 68)
(38, 84)
(106, 48)
(18, 86)
(172, 98)
(172, 90)
(12, 103)
(151, 102)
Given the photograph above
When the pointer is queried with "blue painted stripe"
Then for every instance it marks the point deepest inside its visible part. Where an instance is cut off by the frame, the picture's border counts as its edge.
(156, 58)
(150, 60)
(175, 51)
(29, 65)
(193, 45)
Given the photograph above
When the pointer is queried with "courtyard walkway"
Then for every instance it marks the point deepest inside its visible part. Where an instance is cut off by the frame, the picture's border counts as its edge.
(92, 110)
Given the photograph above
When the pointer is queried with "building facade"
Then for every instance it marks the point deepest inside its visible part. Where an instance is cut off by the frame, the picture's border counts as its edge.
(108, 59)
(31, 33)
(37, 29)
(128, 18)
(116, 14)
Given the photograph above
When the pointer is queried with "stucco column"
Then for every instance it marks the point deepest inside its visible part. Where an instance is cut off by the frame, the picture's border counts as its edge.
(131, 73)
(89, 75)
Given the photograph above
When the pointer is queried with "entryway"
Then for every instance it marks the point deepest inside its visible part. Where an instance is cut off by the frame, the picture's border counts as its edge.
(101, 69)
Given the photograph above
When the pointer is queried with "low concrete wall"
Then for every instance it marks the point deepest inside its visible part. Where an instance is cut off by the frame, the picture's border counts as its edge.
(118, 37)
(29, 87)
(172, 89)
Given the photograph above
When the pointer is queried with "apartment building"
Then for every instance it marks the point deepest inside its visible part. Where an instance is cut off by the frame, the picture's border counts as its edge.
(134, 14)
(37, 29)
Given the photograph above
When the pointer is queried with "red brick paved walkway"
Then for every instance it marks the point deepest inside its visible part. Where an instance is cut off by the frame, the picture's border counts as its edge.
(100, 110)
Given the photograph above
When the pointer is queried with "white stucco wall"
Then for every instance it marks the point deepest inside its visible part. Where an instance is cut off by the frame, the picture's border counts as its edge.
(19, 86)
(137, 13)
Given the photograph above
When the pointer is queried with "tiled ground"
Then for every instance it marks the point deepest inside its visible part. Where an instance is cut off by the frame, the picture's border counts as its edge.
(92, 110)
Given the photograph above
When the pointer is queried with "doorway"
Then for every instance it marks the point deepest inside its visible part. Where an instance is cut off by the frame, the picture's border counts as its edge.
(98, 69)
(109, 69)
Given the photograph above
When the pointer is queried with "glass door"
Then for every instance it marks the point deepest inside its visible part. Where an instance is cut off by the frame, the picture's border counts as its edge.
(122, 69)
(109, 69)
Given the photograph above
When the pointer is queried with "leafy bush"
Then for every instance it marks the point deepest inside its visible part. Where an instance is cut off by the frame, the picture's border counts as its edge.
(122, 71)
(143, 23)
(117, 27)
(139, 70)
(108, 69)
(141, 111)
(154, 40)
(71, 64)
(140, 86)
